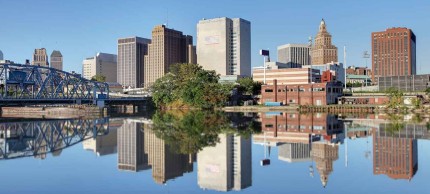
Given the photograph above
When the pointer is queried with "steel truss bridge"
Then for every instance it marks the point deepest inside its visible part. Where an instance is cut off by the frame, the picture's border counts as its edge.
(38, 138)
(30, 83)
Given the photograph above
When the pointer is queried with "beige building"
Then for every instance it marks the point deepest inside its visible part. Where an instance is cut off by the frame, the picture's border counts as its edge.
(224, 45)
(323, 51)
(57, 60)
(101, 64)
(168, 47)
(131, 52)
(40, 57)
(285, 76)
(231, 168)
(295, 55)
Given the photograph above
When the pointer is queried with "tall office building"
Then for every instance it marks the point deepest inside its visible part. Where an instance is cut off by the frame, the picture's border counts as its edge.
(224, 45)
(131, 151)
(168, 47)
(393, 53)
(324, 154)
(294, 152)
(40, 57)
(1, 55)
(57, 60)
(395, 155)
(131, 52)
(295, 55)
(230, 169)
(102, 64)
(165, 163)
(323, 51)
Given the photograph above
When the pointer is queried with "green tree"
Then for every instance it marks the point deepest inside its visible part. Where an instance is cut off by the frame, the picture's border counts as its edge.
(163, 90)
(247, 86)
(98, 78)
(189, 85)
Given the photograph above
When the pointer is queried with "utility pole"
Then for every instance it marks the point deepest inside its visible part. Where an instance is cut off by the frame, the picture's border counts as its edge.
(344, 64)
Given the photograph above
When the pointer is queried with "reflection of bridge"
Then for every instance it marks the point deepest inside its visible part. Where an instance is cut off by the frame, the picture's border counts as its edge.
(37, 138)
(29, 84)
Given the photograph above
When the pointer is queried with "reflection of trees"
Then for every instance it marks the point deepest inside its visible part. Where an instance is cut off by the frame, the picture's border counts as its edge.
(191, 131)
(396, 123)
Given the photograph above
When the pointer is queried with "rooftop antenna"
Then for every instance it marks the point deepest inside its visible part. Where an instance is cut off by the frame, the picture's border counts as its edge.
(167, 18)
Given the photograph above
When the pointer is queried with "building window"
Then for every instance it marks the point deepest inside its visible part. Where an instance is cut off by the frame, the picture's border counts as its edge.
(268, 90)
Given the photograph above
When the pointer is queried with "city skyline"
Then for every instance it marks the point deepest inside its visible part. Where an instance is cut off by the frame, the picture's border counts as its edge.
(269, 30)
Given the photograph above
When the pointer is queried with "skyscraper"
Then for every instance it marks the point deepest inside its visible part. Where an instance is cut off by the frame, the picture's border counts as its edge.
(295, 55)
(40, 58)
(323, 51)
(57, 60)
(102, 64)
(230, 169)
(168, 47)
(131, 52)
(224, 45)
(393, 53)
(1, 55)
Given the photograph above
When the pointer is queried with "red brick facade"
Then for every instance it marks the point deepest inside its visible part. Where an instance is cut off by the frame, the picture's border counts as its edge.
(302, 94)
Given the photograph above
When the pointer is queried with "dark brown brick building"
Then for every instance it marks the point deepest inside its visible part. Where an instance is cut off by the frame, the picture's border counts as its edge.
(302, 94)
(393, 53)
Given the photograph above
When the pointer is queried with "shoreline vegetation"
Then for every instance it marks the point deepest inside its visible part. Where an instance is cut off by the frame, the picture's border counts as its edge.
(189, 86)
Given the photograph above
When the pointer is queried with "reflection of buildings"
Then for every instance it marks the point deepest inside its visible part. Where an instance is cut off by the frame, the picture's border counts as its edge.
(227, 165)
(140, 149)
(102, 145)
(304, 137)
(131, 153)
(299, 128)
(395, 152)
(165, 164)
(107, 144)
(294, 152)
(324, 154)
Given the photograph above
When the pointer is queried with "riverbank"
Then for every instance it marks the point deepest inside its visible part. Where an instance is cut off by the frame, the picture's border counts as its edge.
(70, 111)
(327, 108)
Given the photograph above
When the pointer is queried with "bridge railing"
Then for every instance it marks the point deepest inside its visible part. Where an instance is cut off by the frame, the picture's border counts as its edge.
(37, 82)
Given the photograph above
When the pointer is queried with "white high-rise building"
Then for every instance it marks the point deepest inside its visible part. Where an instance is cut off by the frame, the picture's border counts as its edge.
(227, 165)
(295, 55)
(101, 64)
(224, 45)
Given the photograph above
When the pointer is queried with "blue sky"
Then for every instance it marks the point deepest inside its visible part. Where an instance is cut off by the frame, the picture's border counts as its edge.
(81, 28)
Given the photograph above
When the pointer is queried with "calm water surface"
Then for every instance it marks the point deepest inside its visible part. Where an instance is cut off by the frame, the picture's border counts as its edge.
(212, 152)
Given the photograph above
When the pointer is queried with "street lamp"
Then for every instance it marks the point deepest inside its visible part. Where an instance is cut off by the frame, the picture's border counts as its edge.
(264, 53)
(366, 55)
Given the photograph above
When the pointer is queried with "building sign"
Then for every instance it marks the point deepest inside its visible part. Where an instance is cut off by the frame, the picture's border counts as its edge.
(212, 40)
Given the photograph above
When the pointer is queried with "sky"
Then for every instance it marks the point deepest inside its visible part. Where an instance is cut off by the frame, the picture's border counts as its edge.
(81, 28)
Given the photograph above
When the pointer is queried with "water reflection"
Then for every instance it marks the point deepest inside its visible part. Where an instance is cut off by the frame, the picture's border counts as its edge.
(24, 138)
(169, 144)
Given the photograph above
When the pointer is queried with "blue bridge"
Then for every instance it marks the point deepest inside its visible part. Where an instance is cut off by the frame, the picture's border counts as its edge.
(29, 84)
